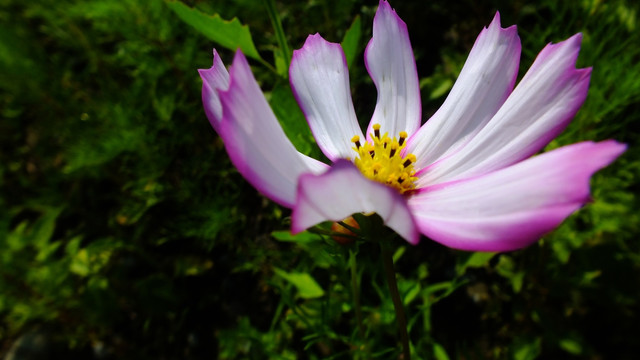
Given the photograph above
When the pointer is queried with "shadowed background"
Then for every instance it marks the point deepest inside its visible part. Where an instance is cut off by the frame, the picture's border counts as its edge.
(126, 233)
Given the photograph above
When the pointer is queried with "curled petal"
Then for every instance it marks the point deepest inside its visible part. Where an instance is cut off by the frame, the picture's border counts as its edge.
(343, 191)
(214, 79)
(389, 60)
(320, 81)
(537, 110)
(486, 80)
(513, 207)
(255, 141)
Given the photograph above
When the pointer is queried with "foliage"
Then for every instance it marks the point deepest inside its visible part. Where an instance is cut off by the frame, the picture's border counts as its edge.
(126, 233)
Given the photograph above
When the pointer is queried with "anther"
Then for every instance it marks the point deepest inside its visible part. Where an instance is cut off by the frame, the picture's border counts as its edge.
(356, 140)
(376, 130)
(403, 136)
(394, 147)
(410, 159)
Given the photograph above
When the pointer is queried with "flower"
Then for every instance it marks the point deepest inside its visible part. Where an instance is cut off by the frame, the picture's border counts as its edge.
(466, 178)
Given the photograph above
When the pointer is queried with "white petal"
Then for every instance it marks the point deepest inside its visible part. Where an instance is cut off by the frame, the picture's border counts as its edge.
(537, 110)
(390, 62)
(255, 141)
(513, 207)
(487, 78)
(320, 81)
(213, 79)
(343, 191)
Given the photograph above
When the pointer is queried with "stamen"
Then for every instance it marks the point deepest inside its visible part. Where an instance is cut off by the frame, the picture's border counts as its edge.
(410, 159)
(376, 130)
(356, 140)
(382, 159)
(403, 136)
(394, 148)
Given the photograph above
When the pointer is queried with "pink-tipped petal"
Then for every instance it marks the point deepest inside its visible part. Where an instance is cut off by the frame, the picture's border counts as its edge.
(486, 80)
(320, 81)
(213, 79)
(255, 141)
(343, 191)
(513, 207)
(537, 110)
(389, 60)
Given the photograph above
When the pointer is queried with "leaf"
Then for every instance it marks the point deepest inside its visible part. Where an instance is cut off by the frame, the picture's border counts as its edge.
(303, 237)
(527, 349)
(283, 54)
(228, 33)
(398, 254)
(439, 352)
(571, 346)
(506, 267)
(44, 227)
(351, 41)
(475, 260)
(411, 293)
(293, 122)
(307, 287)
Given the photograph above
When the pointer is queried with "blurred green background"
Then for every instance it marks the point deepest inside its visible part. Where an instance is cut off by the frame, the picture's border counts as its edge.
(126, 233)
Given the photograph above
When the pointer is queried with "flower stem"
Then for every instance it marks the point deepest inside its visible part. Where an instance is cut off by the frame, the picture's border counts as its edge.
(356, 292)
(277, 27)
(387, 260)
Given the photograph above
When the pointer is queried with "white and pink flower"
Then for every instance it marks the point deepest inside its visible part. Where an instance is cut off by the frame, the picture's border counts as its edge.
(466, 178)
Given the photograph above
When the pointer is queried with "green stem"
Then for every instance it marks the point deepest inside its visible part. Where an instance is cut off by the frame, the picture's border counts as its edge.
(387, 260)
(356, 292)
(277, 27)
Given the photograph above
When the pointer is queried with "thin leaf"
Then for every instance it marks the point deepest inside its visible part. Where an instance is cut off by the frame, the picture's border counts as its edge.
(283, 56)
(292, 119)
(228, 33)
(351, 41)
(303, 237)
(307, 287)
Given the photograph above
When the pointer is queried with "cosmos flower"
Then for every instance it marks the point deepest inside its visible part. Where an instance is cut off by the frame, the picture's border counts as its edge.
(467, 178)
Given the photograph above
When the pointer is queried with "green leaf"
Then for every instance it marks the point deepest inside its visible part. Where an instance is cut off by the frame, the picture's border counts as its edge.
(441, 89)
(439, 352)
(506, 267)
(303, 237)
(307, 287)
(351, 41)
(474, 260)
(410, 292)
(228, 33)
(527, 349)
(292, 119)
(571, 346)
(283, 54)
(44, 227)
(398, 254)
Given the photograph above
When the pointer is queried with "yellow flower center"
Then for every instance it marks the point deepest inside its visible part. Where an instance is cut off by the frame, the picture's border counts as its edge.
(382, 161)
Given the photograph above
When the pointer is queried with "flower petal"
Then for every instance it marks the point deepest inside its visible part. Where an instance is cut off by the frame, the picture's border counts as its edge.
(537, 110)
(320, 81)
(255, 141)
(513, 207)
(343, 191)
(389, 60)
(486, 80)
(213, 79)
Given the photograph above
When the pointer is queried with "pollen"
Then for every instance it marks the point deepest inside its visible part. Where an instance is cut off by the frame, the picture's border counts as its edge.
(381, 159)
